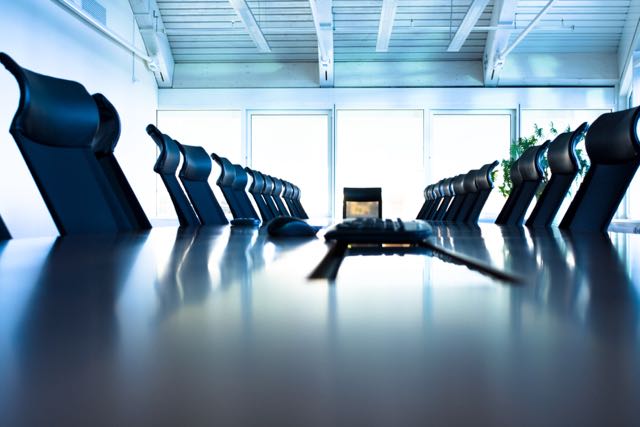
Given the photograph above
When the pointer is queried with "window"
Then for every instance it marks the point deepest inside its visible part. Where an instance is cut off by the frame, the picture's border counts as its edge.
(215, 131)
(382, 148)
(295, 147)
(461, 141)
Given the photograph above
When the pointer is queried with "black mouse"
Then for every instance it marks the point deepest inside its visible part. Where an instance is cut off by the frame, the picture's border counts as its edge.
(286, 226)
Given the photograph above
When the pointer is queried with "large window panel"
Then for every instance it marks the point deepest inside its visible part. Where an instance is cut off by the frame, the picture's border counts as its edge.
(461, 141)
(295, 147)
(215, 131)
(382, 148)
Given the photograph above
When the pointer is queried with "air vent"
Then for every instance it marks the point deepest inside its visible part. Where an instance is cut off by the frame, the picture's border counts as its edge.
(96, 10)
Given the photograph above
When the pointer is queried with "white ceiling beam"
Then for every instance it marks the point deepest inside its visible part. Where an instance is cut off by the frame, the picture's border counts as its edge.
(504, 13)
(527, 30)
(467, 24)
(246, 16)
(323, 20)
(387, 16)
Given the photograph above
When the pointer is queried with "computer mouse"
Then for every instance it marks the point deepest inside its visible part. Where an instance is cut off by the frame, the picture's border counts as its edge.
(286, 226)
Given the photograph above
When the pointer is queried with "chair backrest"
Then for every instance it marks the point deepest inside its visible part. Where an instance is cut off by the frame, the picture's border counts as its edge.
(256, 188)
(459, 195)
(528, 177)
(240, 181)
(269, 186)
(297, 194)
(446, 189)
(4, 231)
(362, 202)
(614, 150)
(484, 184)
(104, 145)
(194, 175)
(563, 163)
(470, 195)
(54, 127)
(436, 199)
(278, 196)
(288, 194)
(166, 166)
(225, 182)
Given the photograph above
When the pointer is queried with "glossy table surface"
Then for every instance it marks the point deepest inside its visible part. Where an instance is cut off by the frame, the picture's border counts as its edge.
(221, 326)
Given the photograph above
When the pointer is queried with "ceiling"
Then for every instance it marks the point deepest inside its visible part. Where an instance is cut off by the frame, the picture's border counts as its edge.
(208, 37)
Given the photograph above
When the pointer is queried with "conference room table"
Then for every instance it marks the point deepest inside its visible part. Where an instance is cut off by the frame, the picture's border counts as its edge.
(222, 326)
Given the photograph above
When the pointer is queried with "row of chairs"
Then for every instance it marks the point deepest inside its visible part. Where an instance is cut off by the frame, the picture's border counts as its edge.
(613, 147)
(273, 197)
(67, 138)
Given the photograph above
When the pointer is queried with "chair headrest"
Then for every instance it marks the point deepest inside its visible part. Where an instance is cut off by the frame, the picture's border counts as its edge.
(530, 162)
(52, 111)
(241, 179)
(106, 138)
(562, 151)
(228, 172)
(169, 157)
(278, 186)
(483, 176)
(613, 137)
(445, 187)
(288, 189)
(469, 181)
(197, 163)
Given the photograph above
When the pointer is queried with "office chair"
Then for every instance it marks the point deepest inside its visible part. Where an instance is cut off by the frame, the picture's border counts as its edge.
(458, 198)
(239, 186)
(526, 179)
(54, 127)
(614, 150)
(436, 199)
(446, 190)
(563, 163)
(104, 145)
(484, 184)
(194, 175)
(297, 195)
(269, 187)
(425, 204)
(278, 197)
(470, 195)
(287, 195)
(166, 166)
(4, 231)
(362, 202)
(225, 182)
(256, 188)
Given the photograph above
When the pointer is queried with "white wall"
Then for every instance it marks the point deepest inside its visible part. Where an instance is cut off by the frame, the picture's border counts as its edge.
(44, 37)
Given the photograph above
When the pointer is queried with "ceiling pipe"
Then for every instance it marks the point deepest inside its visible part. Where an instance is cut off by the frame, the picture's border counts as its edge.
(82, 14)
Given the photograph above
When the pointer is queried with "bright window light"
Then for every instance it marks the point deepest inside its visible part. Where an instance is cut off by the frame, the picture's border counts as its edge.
(382, 148)
(295, 147)
(461, 142)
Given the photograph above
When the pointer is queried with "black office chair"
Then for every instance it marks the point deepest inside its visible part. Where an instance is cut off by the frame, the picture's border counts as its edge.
(278, 198)
(104, 145)
(239, 186)
(436, 199)
(564, 166)
(297, 195)
(225, 182)
(614, 150)
(458, 198)
(446, 190)
(362, 202)
(471, 193)
(4, 231)
(287, 195)
(425, 204)
(269, 187)
(484, 184)
(256, 188)
(194, 175)
(526, 179)
(54, 127)
(166, 166)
